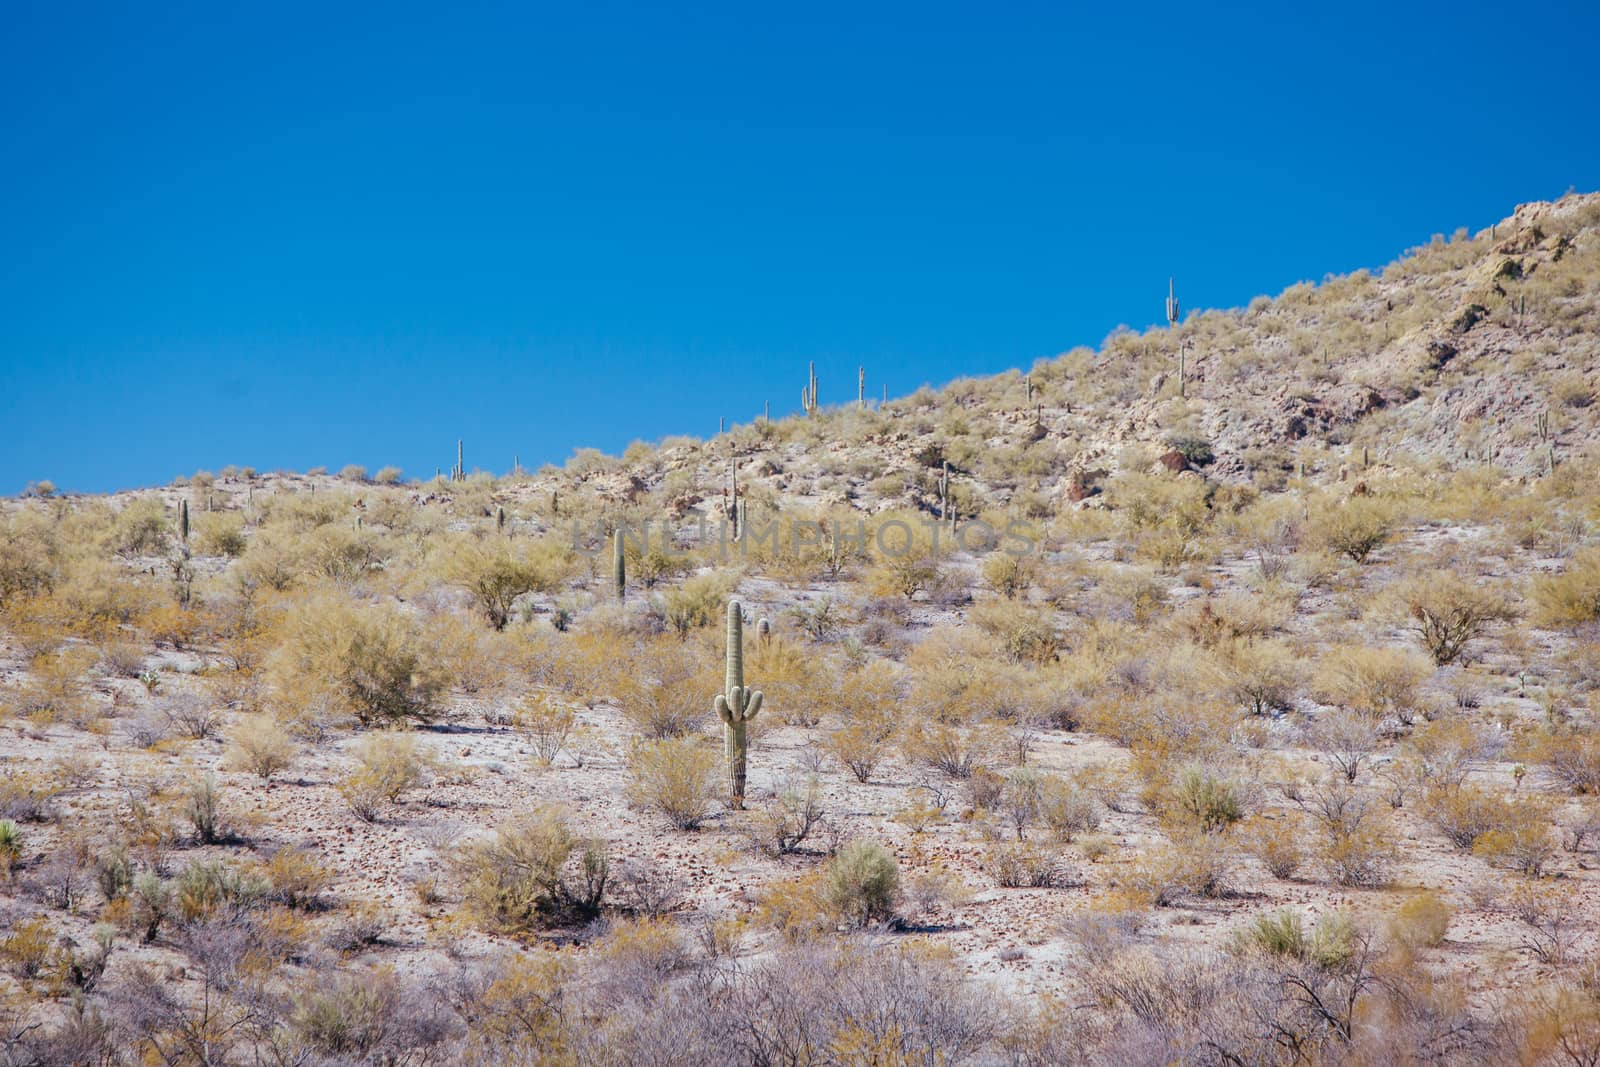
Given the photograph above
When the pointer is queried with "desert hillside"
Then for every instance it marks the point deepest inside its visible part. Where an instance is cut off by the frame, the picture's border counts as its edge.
(1226, 695)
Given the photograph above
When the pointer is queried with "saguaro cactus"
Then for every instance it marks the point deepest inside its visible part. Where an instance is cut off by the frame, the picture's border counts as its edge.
(808, 395)
(619, 565)
(736, 705)
(1172, 322)
(183, 520)
(861, 387)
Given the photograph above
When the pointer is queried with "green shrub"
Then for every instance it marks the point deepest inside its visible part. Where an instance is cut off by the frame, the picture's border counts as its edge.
(863, 882)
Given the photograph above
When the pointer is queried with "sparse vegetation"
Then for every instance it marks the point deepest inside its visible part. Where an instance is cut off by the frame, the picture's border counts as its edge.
(1332, 655)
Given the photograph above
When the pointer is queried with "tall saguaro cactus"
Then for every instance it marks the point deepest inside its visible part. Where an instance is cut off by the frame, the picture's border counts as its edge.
(619, 565)
(861, 387)
(183, 520)
(1172, 323)
(736, 705)
(808, 395)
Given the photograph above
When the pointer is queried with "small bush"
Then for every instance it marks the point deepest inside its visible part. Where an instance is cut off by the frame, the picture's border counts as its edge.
(1376, 681)
(388, 765)
(1447, 611)
(1421, 921)
(1201, 799)
(863, 883)
(1551, 918)
(1276, 842)
(1355, 527)
(28, 948)
(496, 573)
(675, 776)
(861, 744)
(548, 726)
(261, 747)
(201, 809)
(698, 602)
(10, 846)
(1570, 598)
(205, 887)
(535, 872)
(783, 824)
(1021, 865)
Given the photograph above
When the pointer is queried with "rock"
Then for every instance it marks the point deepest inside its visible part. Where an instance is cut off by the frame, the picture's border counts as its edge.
(1468, 317)
(1440, 353)
(1173, 460)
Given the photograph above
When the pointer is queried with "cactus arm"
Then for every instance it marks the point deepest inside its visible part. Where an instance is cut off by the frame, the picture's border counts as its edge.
(754, 706)
(724, 712)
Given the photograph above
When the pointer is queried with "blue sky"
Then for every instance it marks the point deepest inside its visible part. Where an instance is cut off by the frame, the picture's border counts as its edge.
(295, 235)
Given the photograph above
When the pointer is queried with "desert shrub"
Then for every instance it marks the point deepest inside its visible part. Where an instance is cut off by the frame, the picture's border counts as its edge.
(1026, 633)
(1362, 856)
(1347, 738)
(25, 796)
(191, 714)
(297, 878)
(202, 810)
(10, 846)
(675, 776)
(1202, 799)
(28, 546)
(1191, 865)
(28, 948)
(388, 765)
(206, 887)
(1023, 865)
(141, 529)
(547, 724)
(862, 743)
(798, 908)
(1354, 527)
(1378, 681)
(670, 695)
(698, 602)
(782, 825)
(1421, 921)
(261, 747)
(954, 751)
(1448, 610)
(1551, 918)
(151, 904)
(905, 575)
(1282, 933)
(1462, 813)
(1276, 841)
(1570, 598)
(1521, 836)
(54, 688)
(1263, 676)
(1573, 757)
(367, 661)
(1066, 809)
(388, 475)
(1445, 749)
(1007, 574)
(220, 534)
(497, 571)
(535, 872)
(862, 883)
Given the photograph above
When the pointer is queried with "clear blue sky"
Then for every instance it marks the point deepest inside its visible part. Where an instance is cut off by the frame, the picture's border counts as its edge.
(292, 235)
